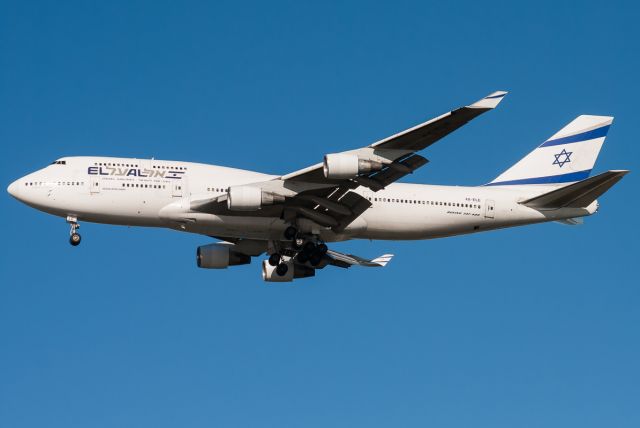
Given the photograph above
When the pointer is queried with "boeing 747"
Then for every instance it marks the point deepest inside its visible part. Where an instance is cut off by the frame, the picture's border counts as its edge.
(291, 218)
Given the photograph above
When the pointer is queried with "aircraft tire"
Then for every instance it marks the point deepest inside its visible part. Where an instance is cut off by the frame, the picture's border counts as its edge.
(274, 259)
(315, 259)
(290, 232)
(302, 257)
(75, 239)
(282, 269)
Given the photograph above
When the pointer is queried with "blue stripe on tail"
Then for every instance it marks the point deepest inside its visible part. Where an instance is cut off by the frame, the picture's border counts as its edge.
(584, 136)
(551, 179)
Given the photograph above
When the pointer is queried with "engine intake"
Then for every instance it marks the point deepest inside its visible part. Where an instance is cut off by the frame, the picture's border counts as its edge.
(249, 198)
(345, 165)
(219, 256)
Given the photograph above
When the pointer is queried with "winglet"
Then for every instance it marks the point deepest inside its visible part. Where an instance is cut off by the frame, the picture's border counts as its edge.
(382, 260)
(490, 101)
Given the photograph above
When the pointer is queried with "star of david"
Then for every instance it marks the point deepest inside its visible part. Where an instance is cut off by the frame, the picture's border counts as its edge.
(562, 158)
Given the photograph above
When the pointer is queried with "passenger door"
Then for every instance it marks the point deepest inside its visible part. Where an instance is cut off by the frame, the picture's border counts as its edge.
(489, 208)
(178, 189)
(94, 184)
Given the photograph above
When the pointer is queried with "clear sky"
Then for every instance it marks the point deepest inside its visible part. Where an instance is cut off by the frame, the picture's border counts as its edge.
(529, 327)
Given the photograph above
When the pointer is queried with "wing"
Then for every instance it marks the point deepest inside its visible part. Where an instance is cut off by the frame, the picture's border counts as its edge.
(330, 202)
(397, 152)
(348, 260)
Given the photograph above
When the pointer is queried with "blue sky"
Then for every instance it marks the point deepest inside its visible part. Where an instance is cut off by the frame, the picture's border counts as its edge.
(529, 327)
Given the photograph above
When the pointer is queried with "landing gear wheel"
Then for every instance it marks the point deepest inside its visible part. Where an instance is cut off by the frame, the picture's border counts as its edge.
(75, 239)
(322, 249)
(309, 247)
(282, 269)
(290, 232)
(315, 259)
(274, 259)
(303, 257)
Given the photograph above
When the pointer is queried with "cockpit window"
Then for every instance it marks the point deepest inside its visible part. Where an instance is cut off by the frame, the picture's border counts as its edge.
(59, 162)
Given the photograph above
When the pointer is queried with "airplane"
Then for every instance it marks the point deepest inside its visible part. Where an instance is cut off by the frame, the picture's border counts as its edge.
(349, 195)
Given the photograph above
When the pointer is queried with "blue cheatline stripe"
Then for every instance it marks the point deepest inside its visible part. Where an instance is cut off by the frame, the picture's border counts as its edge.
(495, 96)
(584, 136)
(562, 178)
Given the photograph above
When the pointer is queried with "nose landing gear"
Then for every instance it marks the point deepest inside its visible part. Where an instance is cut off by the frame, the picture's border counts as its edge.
(74, 236)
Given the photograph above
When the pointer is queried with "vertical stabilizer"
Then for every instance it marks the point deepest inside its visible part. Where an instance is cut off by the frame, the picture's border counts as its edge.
(568, 156)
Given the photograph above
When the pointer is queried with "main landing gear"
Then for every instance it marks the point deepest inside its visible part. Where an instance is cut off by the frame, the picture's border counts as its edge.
(307, 249)
(312, 252)
(290, 233)
(282, 267)
(303, 249)
(74, 236)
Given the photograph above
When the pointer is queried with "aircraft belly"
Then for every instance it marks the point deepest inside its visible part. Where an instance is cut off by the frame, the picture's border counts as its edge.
(246, 227)
(416, 222)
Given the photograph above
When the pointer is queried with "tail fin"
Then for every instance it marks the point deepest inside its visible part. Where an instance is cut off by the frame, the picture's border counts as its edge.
(577, 195)
(568, 156)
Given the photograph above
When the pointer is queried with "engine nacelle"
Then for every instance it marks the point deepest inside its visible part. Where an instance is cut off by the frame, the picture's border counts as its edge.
(244, 198)
(269, 273)
(219, 256)
(249, 198)
(346, 165)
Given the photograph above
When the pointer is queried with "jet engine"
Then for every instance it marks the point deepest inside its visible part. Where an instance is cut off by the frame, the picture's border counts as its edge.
(269, 273)
(249, 198)
(219, 256)
(346, 165)
(294, 270)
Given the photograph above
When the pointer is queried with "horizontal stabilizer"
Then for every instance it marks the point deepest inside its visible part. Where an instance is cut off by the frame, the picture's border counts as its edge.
(577, 195)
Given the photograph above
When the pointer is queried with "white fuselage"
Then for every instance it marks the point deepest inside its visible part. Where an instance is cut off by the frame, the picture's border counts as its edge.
(154, 193)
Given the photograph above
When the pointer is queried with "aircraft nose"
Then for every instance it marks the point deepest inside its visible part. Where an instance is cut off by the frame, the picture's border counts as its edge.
(13, 189)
